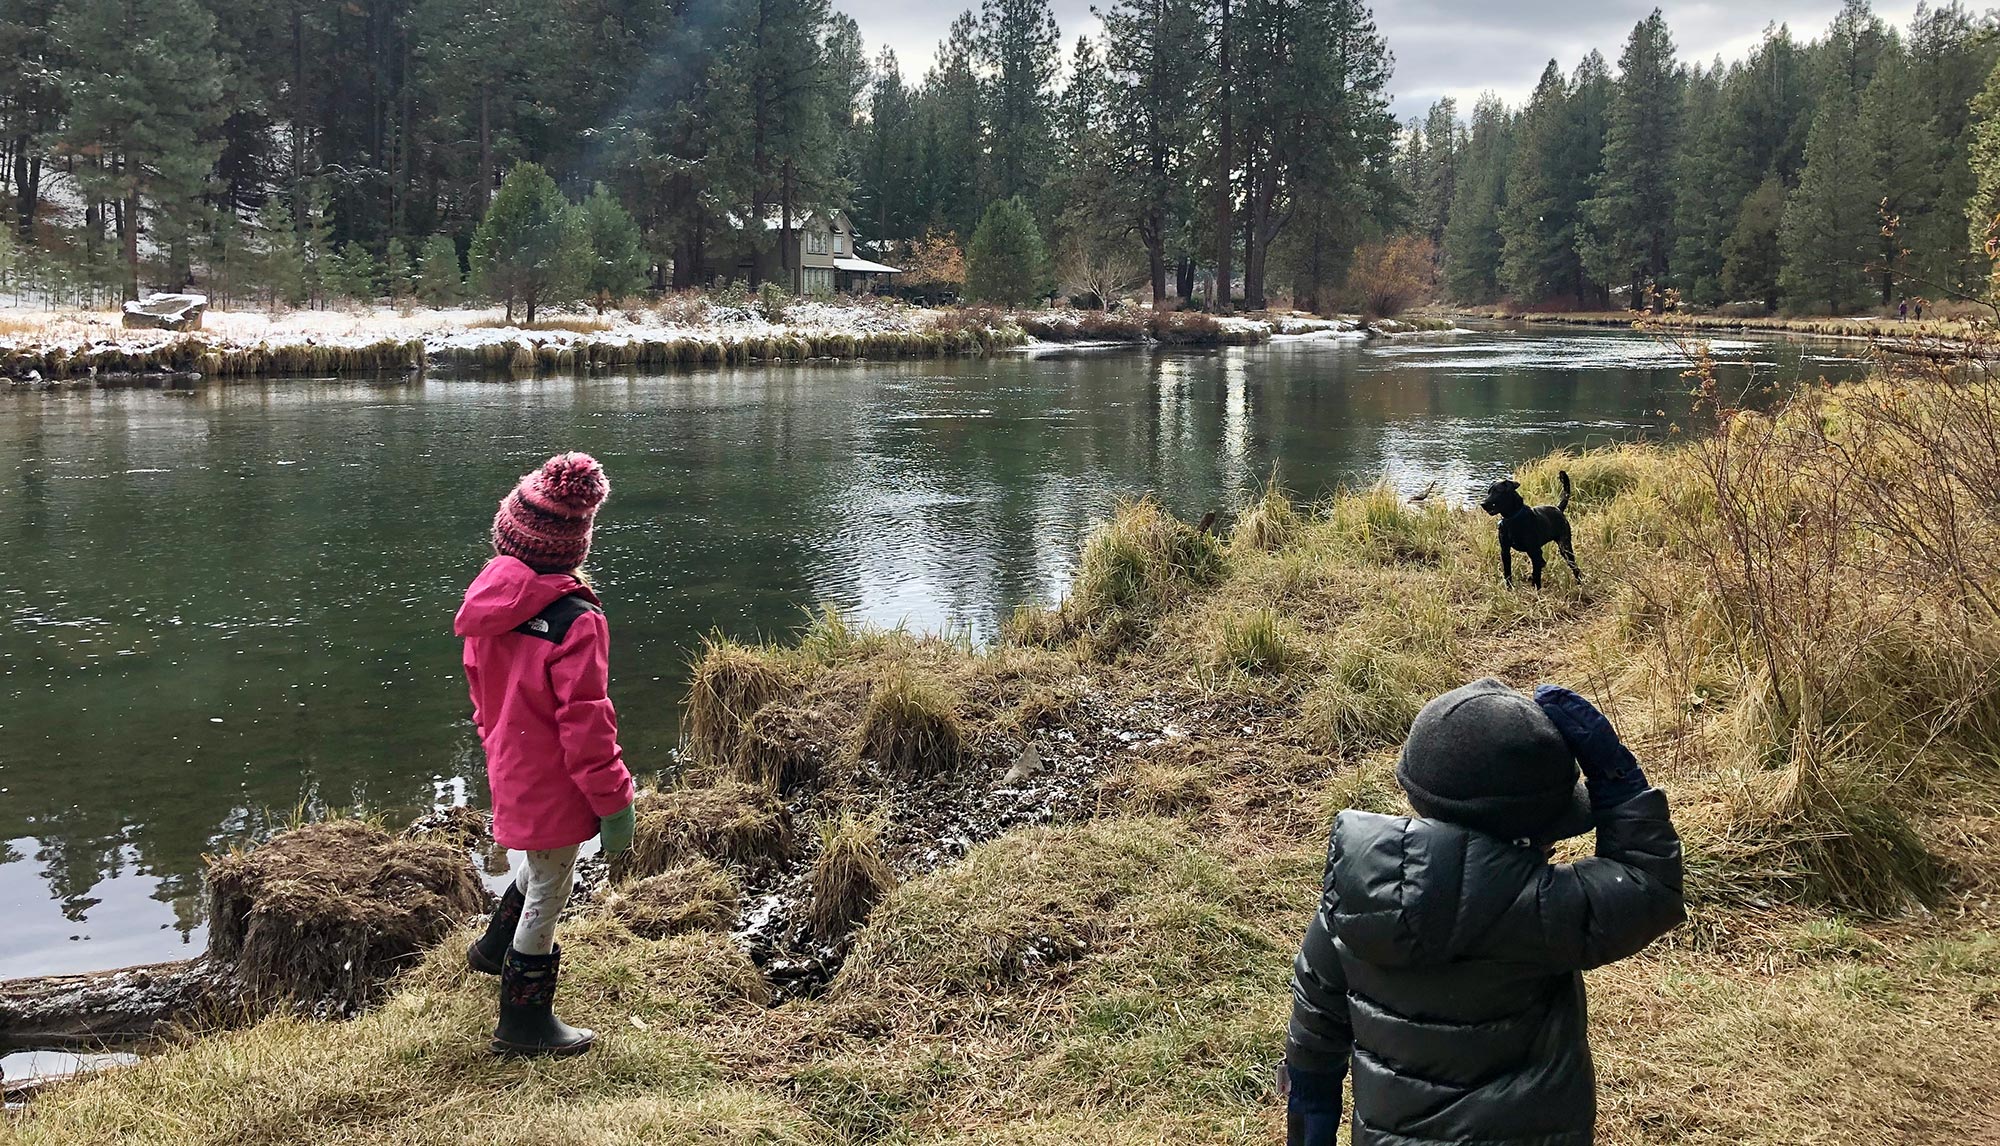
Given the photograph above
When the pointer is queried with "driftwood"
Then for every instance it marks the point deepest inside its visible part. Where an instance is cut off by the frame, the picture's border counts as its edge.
(124, 1007)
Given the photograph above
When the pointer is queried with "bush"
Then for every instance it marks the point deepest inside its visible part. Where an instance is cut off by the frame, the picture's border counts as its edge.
(1007, 263)
(772, 301)
(1389, 276)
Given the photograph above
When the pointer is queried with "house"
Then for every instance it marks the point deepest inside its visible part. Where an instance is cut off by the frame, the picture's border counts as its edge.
(826, 255)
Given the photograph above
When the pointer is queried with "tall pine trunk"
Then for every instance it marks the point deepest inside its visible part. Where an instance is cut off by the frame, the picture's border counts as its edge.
(1224, 271)
(131, 222)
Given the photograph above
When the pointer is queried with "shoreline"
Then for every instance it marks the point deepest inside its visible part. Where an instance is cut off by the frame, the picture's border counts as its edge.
(66, 349)
(1916, 337)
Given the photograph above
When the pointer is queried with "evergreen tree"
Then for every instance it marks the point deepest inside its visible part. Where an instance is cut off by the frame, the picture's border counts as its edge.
(322, 277)
(1830, 223)
(1153, 54)
(1751, 257)
(440, 281)
(396, 270)
(618, 255)
(1017, 47)
(1949, 55)
(352, 273)
(1556, 143)
(1630, 233)
(144, 89)
(1472, 242)
(953, 128)
(1708, 187)
(31, 101)
(1899, 154)
(1439, 180)
(533, 247)
(1982, 210)
(1007, 262)
(888, 189)
(281, 264)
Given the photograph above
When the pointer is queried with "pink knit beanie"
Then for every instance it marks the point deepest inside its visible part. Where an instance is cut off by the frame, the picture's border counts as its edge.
(546, 520)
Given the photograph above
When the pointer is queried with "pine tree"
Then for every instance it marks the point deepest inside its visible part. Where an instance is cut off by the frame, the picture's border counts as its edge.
(1472, 242)
(1556, 143)
(316, 246)
(1751, 257)
(618, 256)
(1708, 190)
(1629, 237)
(281, 264)
(1830, 222)
(950, 114)
(1439, 181)
(532, 247)
(1899, 154)
(396, 270)
(888, 189)
(1018, 48)
(1007, 262)
(144, 89)
(352, 273)
(1152, 52)
(440, 281)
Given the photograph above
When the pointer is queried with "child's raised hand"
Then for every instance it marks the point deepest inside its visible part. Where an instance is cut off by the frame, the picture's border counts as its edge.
(1610, 770)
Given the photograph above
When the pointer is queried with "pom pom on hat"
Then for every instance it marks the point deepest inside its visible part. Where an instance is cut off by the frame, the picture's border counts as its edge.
(546, 520)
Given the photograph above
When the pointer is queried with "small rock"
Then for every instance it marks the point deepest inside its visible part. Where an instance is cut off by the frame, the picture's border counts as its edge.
(1027, 764)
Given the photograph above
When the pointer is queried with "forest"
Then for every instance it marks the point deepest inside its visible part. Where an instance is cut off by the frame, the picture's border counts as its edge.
(1855, 170)
(311, 149)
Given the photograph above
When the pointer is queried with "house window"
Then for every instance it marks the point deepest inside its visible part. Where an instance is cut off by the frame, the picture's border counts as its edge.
(818, 279)
(816, 242)
(839, 243)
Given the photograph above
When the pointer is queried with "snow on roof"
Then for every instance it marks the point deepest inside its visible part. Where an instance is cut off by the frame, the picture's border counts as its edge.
(847, 264)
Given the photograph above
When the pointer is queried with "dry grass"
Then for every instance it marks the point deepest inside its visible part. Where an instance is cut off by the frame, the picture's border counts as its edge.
(910, 727)
(849, 877)
(699, 895)
(1122, 979)
(324, 913)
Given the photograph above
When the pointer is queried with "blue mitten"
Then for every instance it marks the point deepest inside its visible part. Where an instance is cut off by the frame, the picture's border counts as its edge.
(1312, 1115)
(1610, 770)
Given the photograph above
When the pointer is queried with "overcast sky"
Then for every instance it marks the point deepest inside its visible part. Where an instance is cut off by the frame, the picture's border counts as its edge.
(1442, 47)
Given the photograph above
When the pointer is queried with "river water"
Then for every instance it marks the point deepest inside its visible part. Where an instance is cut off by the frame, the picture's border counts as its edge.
(224, 605)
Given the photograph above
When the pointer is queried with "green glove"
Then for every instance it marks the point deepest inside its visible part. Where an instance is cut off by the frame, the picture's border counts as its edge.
(614, 832)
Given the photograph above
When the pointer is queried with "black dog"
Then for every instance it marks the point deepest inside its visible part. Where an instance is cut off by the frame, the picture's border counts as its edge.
(1528, 528)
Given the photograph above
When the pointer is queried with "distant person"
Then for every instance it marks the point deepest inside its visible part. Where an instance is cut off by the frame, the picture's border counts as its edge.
(1920, 310)
(535, 657)
(1903, 311)
(1445, 960)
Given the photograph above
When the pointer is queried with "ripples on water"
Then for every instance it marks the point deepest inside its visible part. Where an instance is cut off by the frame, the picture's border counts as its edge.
(226, 605)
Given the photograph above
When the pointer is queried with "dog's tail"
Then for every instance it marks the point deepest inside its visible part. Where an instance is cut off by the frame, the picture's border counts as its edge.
(1563, 505)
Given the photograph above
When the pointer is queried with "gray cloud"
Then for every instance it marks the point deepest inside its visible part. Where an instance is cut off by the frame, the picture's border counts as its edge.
(1457, 48)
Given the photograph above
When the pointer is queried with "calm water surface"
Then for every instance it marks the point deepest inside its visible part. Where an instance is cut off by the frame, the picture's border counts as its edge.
(221, 605)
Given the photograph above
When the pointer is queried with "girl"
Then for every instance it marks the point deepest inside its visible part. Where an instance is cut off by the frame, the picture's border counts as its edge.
(535, 657)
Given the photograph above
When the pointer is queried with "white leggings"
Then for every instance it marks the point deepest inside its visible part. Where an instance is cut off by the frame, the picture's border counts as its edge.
(544, 879)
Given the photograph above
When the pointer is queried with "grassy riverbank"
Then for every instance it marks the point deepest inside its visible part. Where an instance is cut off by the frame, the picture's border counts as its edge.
(79, 348)
(1929, 330)
(1793, 621)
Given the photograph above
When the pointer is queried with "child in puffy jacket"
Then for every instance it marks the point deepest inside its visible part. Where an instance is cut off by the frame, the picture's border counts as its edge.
(1445, 961)
(536, 649)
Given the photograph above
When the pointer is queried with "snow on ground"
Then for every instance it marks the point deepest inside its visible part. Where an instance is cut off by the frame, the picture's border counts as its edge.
(462, 327)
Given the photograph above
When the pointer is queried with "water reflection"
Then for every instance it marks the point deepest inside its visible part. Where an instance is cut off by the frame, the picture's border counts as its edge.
(225, 605)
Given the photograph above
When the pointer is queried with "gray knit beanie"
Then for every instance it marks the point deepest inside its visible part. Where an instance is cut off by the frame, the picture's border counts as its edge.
(1486, 757)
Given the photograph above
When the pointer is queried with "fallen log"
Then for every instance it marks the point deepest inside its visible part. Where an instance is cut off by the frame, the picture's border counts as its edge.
(123, 1007)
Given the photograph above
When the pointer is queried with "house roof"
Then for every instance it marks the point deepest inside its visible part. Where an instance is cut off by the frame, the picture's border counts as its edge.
(847, 264)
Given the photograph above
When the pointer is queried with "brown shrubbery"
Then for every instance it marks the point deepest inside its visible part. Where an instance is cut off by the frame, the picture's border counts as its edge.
(1391, 275)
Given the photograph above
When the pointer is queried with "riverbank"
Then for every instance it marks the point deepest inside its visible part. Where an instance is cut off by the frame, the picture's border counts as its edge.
(1872, 329)
(54, 348)
(1102, 835)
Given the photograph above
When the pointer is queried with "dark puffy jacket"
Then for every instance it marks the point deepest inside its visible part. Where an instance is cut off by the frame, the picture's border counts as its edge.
(1447, 964)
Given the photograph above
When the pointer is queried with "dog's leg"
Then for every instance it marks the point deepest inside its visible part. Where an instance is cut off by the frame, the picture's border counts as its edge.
(1506, 559)
(1536, 562)
(1569, 555)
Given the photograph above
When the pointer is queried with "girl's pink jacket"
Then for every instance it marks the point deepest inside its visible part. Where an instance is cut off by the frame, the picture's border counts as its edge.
(538, 666)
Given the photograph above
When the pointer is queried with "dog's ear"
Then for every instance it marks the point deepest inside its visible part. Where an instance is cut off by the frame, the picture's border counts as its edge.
(1507, 485)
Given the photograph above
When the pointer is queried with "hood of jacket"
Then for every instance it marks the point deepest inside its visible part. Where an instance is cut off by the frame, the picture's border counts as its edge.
(507, 593)
(1417, 892)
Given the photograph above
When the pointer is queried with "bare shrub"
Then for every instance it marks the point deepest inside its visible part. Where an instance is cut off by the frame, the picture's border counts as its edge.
(1391, 275)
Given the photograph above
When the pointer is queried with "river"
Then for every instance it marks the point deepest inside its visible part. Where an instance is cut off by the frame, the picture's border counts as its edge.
(226, 605)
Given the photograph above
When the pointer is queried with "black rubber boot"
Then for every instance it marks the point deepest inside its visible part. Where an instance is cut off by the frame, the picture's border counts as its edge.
(528, 1024)
(486, 951)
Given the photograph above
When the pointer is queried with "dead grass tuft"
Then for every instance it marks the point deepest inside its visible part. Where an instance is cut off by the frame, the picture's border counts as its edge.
(327, 912)
(698, 895)
(731, 682)
(729, 822)
(850, 876)
(910, 726)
